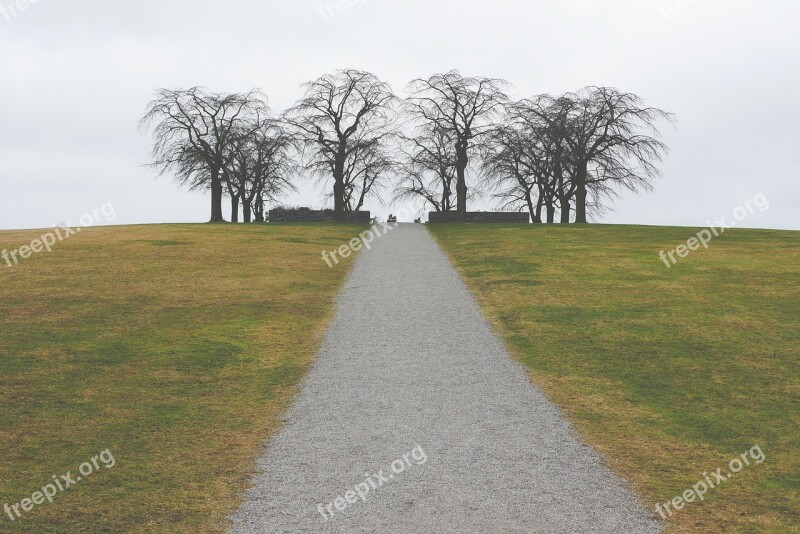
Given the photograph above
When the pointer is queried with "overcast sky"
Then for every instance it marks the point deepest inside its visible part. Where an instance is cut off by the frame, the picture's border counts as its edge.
(75, 76)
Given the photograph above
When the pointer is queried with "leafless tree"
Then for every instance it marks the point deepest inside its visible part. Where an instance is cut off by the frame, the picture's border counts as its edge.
(237, 171)
(579, 148)
(613, 142)
(464, 109)
(273, 168)
(508, 170)
(526, 162)
(550, 148)
(341, 115)
(260, 168)
(428, 168)
(192, 130)
(367, 172)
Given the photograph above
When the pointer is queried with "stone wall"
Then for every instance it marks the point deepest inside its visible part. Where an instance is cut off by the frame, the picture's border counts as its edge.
(303, 215)
(481, 217)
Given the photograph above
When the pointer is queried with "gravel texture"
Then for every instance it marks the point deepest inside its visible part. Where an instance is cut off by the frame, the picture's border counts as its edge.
(408, 362)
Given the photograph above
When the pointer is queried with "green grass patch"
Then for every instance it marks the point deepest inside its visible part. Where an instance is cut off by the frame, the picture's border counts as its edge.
(668, 372)
(177, 347)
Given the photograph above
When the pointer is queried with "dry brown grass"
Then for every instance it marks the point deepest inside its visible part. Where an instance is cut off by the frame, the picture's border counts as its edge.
(177, 347)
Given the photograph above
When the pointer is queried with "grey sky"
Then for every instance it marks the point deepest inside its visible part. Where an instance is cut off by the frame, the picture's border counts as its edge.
(75, 76)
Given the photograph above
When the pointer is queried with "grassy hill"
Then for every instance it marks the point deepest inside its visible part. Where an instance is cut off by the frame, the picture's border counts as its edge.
(670, 372)
(174, 347)
(177, 348)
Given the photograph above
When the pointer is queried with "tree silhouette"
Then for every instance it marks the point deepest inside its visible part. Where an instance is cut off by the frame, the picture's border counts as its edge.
(192, 129)
(341, 116)
(463, 109)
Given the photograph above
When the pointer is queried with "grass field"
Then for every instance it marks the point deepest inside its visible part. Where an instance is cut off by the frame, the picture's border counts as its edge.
(670, 373)
(175, 347)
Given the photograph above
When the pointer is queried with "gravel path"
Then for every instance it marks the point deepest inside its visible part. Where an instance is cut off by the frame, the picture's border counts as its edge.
(415, 403)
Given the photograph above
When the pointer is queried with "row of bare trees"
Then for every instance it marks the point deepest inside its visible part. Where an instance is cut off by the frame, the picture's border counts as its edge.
(452, 138)
(225, 143)
(579, 149)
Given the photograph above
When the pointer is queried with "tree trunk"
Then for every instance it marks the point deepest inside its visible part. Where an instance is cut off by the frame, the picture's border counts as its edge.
(461, 186)
(537, 218)
(338, 186)
(531, 208)
(580, 196)
(247, 210)
(234, 208)
(259, 208)
(216, 198)
(461, 189)
(565, 211)
(551, 213)
(338, 200)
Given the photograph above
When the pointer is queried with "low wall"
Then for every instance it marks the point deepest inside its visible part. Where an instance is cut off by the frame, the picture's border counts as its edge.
(316, 216)
(480, 217)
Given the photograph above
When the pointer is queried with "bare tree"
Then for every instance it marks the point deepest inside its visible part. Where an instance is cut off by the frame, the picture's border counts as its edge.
(509, 162)
(273, 168)
(428, 168)
(463, 108)
(260, 168)
(546, 121)
(367, 172)
(192, 130)
(526, 160)
(340, 115)
(613, 142)
(236, 171)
